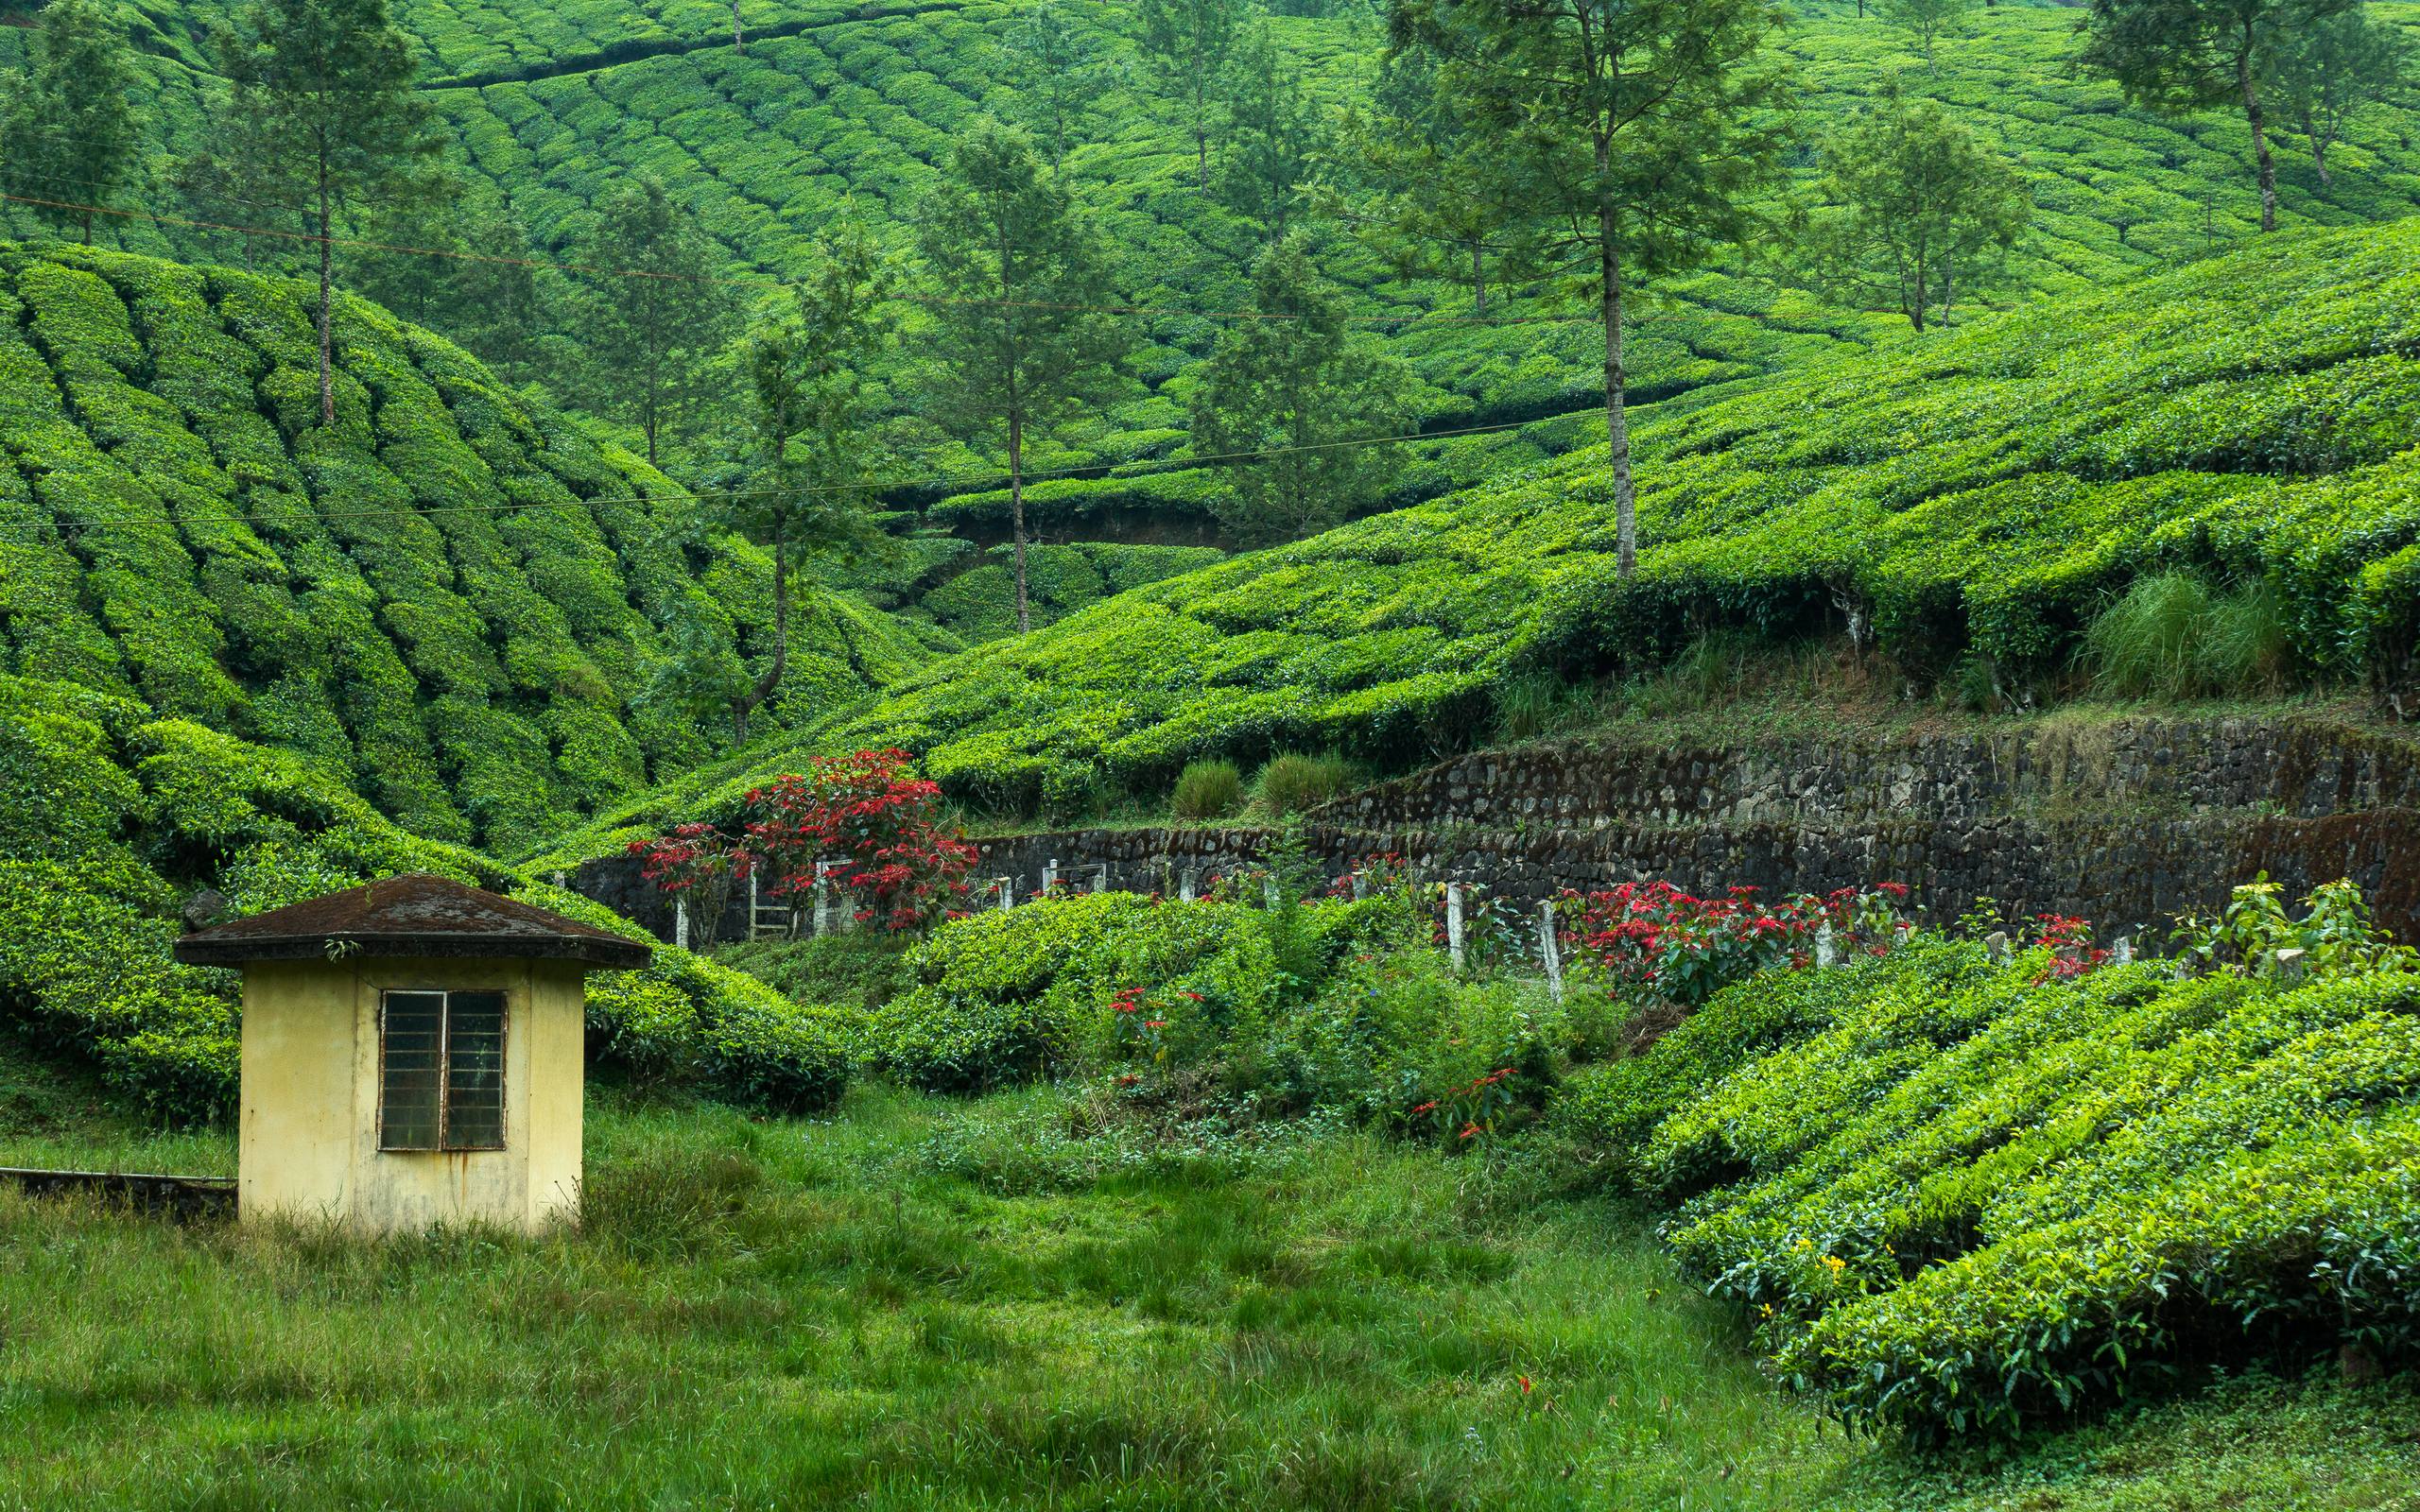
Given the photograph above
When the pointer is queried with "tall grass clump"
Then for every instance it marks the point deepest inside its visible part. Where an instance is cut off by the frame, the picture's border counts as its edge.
(1294, 782)
(2173, 635)
(1207, 790)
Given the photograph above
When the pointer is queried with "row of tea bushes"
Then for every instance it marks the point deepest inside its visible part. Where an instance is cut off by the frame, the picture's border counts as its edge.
(2246, 418)
(452, 597)
(110, 819)
(1956, 1195)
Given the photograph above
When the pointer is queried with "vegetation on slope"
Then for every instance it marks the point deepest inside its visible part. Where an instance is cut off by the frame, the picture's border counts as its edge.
(822, 108)
(113, 821)
(451, 599)
(2249, 420)
(1961, 1195)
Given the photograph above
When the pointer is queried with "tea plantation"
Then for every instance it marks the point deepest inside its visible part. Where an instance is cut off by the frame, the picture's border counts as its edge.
(453, 598)
(829, 107)
(1981, 495)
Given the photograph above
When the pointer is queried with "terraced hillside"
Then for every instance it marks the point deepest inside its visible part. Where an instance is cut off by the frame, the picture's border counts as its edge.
(453, 599)
(827, 104)
(2255, 418)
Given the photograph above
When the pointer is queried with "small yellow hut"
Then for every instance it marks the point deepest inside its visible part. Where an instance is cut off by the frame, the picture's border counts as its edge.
(413, 1053)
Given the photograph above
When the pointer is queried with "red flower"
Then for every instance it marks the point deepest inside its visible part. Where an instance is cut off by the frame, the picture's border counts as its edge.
(1525, 1384)
(1155, 1024)
(1425, 1108)
(1469, 1130)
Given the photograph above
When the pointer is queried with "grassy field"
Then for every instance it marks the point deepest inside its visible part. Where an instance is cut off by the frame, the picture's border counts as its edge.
(925, 1304)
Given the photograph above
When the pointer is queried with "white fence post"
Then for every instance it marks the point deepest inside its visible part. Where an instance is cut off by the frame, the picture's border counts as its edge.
(1361, 886)
(1184, 885)
(1100, 877)
(1454, 924)
(2122, 950)
(680, 923)
(1550, 949)
(1007, 887)
(1051, 874)
(1826, 952)
(1995, 945)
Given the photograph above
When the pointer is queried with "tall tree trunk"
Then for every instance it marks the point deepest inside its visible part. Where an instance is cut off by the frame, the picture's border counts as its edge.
(327, 286)
(1200, 154)
(738, 39)
(747, 704)
(1016, 512)
(1478, 277)
(2318, 149)
(1616, 379)
(1948, 292)
(88, 214)
(2267, 164)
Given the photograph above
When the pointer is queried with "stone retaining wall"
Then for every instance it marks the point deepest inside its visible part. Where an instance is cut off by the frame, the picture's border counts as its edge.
(2126, 824)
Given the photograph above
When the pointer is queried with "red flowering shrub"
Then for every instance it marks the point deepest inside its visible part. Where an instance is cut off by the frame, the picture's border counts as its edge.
(902, 868)
(1655, 937)
(698, 866)
(2069, 942)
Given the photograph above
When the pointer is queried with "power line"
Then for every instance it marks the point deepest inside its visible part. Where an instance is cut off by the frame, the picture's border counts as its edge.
(994, 479)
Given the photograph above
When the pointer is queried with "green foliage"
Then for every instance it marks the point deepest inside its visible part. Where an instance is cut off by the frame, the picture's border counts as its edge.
(454, 600)
(70, 119)
(2336, 935)
(1301, 390)
(2172, 636)
(1981, 493)
(1958, 1196)
(1923, 210)
(126, 816)
(1294, 781)
(1188, 43)
(1207, 790)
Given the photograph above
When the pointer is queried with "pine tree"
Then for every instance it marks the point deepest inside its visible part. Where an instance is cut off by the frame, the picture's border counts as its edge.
(1275, 136)
(1631, 140)
(1187, 43)
(1428, 169)
(1286, 398)
(319, 111)
(1060, 87)
(1021, 336)
(2329, 72)
(2183, 55)
(1928, 19)
(656, 313)
(812, 432)
(70, 123)
(1915, 198)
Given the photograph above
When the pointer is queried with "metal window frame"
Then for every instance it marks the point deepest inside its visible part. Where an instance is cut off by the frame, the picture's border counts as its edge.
(445, 1069)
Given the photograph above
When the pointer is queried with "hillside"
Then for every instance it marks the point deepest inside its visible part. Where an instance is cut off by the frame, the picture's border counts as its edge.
(828, 105)
(454, 599)
(2252, 418)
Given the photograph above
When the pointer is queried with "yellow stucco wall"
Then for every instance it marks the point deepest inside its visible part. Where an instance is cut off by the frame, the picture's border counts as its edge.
(308, 1144)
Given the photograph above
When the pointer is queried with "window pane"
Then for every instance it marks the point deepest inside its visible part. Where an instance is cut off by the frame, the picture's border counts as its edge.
(411, 1047)
(474, 1072)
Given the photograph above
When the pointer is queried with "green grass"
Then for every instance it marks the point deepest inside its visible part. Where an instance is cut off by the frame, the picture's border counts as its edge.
(849, 1312)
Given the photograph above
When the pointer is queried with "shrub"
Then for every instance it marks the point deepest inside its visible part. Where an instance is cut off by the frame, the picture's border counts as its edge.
(1654, 938)
(1961, 1194)
(1207, 790)
(906, 866)
(1292, 783)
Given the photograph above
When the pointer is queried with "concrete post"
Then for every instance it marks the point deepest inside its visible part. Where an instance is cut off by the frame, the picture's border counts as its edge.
(1827, 953)
(1551, 950)
(1454, 924)
(1995, 945)
(680, 923)
(1051, 874)
(1186, 884)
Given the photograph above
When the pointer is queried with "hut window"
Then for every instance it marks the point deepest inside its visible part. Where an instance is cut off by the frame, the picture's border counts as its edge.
(441, 1070)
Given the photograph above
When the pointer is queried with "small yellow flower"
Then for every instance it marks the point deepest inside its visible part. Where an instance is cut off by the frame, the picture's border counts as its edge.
(1835, 1262)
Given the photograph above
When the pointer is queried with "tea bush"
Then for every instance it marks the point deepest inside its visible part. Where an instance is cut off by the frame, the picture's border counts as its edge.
(452, 598)
(123, 817)
(1984, 492)
(1959, 1194)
